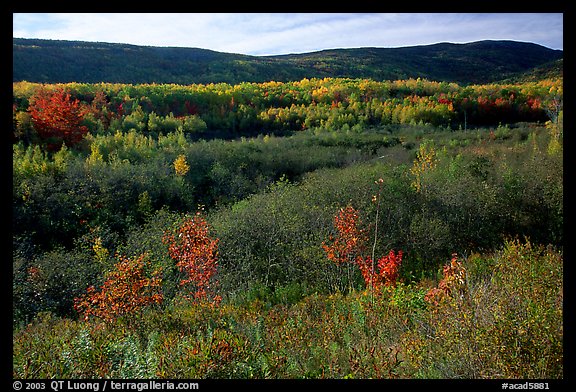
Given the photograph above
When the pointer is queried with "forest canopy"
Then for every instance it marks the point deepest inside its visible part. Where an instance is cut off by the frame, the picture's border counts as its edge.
(55, 61)
(249, 109)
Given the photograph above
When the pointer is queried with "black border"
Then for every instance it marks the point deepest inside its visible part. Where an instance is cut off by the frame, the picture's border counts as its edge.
(292, 6)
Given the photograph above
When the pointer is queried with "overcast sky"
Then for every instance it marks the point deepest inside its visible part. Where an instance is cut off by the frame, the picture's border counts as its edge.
(281, 33)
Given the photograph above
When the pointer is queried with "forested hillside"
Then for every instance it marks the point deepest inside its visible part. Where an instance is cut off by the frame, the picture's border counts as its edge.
(312, 228)
(48, 61)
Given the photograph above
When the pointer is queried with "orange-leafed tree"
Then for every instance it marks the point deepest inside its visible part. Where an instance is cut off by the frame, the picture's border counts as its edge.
(386, 272)
(196, 254)
(126, 291)
(350, 240)
(349, 245)
(57, 118)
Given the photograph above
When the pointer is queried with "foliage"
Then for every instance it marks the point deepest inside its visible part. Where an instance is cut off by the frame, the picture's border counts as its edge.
(180, 165)
(425, 161)
(453, 280)
(125, 291)
(196, 255)
(296, 237)
(249, 109)
(386, 274)
(350, 243)
(490, 332)
(57, 118)
(488, 335)
(480, 189)
(49, 281)
(477, 62)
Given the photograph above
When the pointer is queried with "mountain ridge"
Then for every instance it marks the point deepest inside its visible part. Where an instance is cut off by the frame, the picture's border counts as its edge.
(54, 61)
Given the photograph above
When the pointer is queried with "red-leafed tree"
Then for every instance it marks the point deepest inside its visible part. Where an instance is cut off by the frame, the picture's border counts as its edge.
(348, 246)
(57, 118)
(196, 255)
(350, 240)
(127, 290)
(385, 273)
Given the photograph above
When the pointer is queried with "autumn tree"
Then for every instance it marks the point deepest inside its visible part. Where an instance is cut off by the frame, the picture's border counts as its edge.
(126, 290)
(349, 244)
(426, 160)
(196, 255)
(57, 118)
(384, 272)
(350, 240)
(181, 167)
(99, 109)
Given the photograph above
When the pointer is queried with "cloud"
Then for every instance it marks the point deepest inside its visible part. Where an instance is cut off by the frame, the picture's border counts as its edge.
(280, 33)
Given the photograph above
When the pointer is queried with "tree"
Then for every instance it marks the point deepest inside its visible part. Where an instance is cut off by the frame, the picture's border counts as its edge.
(387, 273)
(349, 244)
(57, 118)
(350, 240)
(426, 160)
(126, 290)
(181, 167)
(196, 255)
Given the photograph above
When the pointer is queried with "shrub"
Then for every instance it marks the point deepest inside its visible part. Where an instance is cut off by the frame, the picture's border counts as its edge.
(196, 255)
(506, 325)
(50, 281)
(126, 290)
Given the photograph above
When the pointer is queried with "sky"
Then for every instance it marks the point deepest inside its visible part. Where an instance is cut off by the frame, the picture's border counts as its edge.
(284, 33)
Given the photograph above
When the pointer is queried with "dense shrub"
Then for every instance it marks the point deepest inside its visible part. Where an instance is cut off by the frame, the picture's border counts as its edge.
(484, 332)
(478, 331)
(475, 193)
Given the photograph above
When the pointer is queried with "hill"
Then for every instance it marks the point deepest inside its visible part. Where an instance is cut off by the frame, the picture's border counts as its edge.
(53, 61)
(551, 70)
